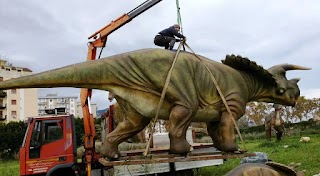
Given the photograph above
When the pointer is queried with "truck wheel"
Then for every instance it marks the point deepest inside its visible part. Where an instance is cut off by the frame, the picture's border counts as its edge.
(188, 172)
(61, 172)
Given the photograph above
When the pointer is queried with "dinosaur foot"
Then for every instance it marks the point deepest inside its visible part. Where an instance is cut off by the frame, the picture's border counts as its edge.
(110, 151)
(180, 147)
(229, 146)
(216, 144)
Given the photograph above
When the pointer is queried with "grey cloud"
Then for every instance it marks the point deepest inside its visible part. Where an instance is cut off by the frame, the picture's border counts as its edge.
(43, 35)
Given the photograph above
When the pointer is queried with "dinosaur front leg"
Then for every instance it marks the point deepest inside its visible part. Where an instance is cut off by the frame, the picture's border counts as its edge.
(280, 130)
(268, 131)
(180, 118)
(133, 124)
(227, 136)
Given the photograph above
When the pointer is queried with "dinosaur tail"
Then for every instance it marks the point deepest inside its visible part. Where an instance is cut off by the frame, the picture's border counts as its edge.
(82, 75)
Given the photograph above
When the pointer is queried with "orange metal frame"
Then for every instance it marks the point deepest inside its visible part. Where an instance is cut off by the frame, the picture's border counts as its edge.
(99, 41)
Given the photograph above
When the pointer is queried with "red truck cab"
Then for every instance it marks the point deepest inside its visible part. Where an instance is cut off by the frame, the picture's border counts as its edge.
(49, 146)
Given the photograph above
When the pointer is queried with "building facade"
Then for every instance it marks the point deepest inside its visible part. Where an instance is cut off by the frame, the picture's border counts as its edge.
(16, 104)
(93, 109)
(52, 101)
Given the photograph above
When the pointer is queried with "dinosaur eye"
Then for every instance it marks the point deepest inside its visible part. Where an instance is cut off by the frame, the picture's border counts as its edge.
(281, 90)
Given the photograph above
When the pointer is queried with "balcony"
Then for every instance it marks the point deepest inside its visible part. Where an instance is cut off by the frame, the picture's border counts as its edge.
(2, 117)
(2, 94)
(3, 106)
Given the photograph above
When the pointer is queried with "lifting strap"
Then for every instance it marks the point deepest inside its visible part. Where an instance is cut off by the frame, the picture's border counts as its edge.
(179, 21)
(221, 95)
(182, 43)
(145, 153)
(164, 90)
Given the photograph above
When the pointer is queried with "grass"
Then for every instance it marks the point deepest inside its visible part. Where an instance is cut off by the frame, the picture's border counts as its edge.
(9, 168)
(308, 154)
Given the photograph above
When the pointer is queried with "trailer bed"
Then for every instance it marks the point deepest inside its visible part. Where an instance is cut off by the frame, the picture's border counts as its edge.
(160, 161)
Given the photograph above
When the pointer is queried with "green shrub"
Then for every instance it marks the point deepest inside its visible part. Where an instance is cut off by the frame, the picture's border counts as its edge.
(79, 128)
(11, 137)
(204, 139)
(253, 135)
(253, 129)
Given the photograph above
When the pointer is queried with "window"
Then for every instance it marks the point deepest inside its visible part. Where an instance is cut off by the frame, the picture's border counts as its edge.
(13, 91)
(45, 133)
(14, 114)
(53, 131)
(13, 102)
(34, 151)
(1, 78)
(8, 69)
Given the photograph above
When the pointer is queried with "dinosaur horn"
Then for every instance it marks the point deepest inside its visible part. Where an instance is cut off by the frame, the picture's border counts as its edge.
(287, 67)
(296, 80)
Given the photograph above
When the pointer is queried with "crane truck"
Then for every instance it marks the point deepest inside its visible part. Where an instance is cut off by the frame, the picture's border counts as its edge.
(49, 145)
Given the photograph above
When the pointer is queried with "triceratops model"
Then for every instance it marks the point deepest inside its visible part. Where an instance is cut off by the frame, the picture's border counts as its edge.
(267, 169)
(137, 79)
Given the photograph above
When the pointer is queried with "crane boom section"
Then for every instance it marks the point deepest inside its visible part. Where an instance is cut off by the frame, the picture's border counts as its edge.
(124, 19)
(99, 39)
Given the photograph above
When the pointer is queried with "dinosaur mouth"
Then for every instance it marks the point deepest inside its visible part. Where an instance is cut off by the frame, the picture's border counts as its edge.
(295, 97)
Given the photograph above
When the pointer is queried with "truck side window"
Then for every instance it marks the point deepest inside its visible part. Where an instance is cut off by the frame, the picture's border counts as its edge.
(53, 131)
(34, 151)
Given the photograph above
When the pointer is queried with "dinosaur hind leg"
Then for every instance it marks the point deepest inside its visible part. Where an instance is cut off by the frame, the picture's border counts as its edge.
(227, 133)
(222, 134)
(268, 134)
(213, 131)
(180, 119)
(131, 125)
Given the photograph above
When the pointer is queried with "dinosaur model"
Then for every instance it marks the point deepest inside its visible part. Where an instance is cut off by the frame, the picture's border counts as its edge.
(137, 79)
(274, 122)
(267, 169)
(118, 115)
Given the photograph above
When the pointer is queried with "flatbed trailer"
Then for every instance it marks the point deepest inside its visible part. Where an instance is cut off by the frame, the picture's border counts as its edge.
(159, 161)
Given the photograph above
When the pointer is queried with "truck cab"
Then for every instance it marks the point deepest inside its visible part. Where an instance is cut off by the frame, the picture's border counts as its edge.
(49, 145)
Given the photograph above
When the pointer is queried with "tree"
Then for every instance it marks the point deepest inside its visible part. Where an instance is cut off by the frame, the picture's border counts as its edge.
(258, 111)
(304, 109)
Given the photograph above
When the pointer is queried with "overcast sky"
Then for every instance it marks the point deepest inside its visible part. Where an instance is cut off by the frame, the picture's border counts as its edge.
(43, 35)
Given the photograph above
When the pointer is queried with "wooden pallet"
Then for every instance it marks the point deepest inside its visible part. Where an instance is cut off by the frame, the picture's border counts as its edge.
(203, 152)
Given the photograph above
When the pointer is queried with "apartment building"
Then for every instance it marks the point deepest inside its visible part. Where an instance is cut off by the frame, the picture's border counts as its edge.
(52, 101)
(93, 109)
(16, 104)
